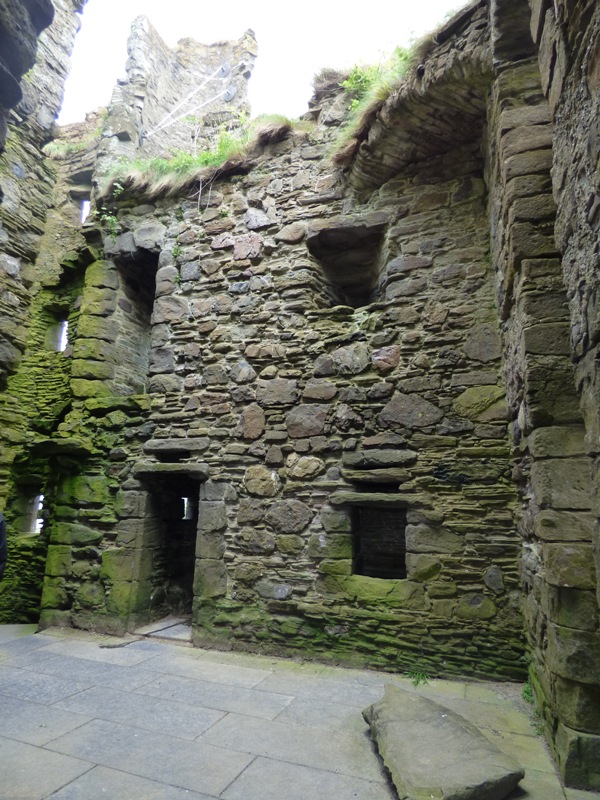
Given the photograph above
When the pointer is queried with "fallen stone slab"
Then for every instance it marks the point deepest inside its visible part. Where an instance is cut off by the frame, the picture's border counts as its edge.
(432, 752)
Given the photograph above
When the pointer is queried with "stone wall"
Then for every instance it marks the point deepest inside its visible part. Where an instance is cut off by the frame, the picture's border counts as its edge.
(568, 39)
(348, 414)
(176, 100)
(20, 25)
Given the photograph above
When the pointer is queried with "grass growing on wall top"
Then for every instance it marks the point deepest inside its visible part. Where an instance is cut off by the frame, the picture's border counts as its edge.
(163, 177)
(369, 86)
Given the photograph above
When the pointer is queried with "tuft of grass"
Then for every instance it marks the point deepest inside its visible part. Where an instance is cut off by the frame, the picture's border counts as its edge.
(527, 693)
(368, 87)
(418, 677)
(166, 177)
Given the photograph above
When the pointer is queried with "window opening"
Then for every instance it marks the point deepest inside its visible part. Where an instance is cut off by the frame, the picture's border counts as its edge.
(63, 335)
(36, 518)
(85, 210)
(379, 542)
(188, 508)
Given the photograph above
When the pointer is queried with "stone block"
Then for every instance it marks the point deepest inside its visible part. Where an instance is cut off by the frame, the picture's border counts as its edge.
(290, 544)
(98, 302)
(73, 534)
(548, 338)
(351, 360)
(304, 467)
(483, 343)
(475, 606)
(370, 459)
(410, 411)
(171, 309)
(578, 756)
(210, 579)
(92, 370)
(574, 654)
(58, 561)
(330, 546)
(571, 608)
(261, 482)
(288, 516)
(422, 567)
(306, 420)
(212, 516)
(579, 704)
(255, 541)
(426, 539)
(557, 441)
(210, 545)
(481, 403)
(378, 591)
(90, 595)
(251, 425)
(150, 236)
(334, 521)
(276, 392)
(569, 565)
(562, 483)
(54, 595)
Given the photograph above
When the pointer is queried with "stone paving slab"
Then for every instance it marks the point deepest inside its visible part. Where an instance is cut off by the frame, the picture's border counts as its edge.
(101, 783)
(35, 723)
(186, 667)
(218, 696)
(166, 759)
(142, 711)
(32, 773)
(267, 779)
(87, 672)
(336, 751)
(209, 724)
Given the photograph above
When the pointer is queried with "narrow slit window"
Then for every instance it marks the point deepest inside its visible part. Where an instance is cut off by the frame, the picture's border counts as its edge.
(188, 508)
(37, 514)
(380, 542)
(63, 335)
(85, 210)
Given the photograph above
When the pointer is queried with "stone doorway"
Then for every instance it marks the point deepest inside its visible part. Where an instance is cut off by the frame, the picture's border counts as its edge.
(173, 508)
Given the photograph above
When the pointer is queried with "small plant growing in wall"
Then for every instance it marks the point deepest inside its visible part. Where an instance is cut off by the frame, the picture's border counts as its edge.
(177, 250)
(107, 220)
(418, 677)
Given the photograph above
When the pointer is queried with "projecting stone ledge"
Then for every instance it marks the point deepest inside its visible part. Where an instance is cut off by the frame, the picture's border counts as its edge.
(432, 752)
(145, 470)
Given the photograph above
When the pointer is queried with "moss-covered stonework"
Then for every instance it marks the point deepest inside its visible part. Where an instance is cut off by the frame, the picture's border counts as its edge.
(257, 366)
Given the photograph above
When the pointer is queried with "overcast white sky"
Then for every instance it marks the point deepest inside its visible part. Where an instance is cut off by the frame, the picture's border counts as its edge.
(295, 41)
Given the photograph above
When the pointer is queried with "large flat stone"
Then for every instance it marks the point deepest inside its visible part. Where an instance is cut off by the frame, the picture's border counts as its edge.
(432, 752)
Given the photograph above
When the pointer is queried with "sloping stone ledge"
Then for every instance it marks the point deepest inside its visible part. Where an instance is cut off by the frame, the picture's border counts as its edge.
(431, 751)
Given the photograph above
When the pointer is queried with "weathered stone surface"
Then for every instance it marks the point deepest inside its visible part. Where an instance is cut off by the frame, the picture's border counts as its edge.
(351, 360)
(432, 752)
(248, 246)
(410, 411)
(306, 420)
(386, 358)
(289, 516)
(292, 233)
(261, 481)
(276, 392)
(483, 343)
(252, 422)
(379, 458)
(304, 467)
(481, 403)
(150, 236)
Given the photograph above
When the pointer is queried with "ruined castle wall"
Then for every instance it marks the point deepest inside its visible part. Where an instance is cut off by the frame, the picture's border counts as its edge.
(27, 181)
(543, 252)
(288, 406)
(176, 100)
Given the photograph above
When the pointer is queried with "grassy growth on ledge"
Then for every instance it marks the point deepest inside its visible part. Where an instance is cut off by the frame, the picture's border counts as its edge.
(165, 177)
(369, 87)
